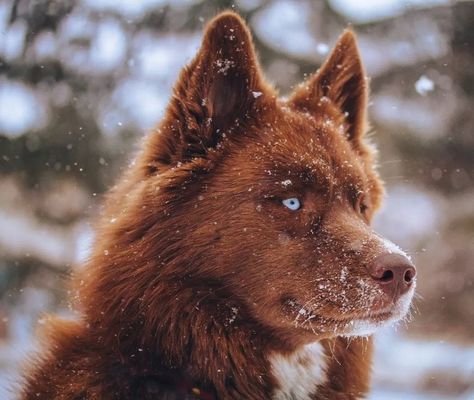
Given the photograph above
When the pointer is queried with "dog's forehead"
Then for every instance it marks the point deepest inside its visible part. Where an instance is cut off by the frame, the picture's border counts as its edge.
(297, 143)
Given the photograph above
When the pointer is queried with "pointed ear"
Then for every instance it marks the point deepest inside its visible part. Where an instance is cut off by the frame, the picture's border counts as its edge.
(342, 81)
(221, 89)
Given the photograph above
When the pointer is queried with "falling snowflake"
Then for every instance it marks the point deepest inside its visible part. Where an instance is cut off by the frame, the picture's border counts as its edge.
(322, 48)
(424, 85)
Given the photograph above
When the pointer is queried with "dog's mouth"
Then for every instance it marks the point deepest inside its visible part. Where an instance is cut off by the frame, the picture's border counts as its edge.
(351, 324)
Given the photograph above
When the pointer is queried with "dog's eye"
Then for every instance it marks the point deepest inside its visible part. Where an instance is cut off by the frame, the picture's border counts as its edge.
(293, 203)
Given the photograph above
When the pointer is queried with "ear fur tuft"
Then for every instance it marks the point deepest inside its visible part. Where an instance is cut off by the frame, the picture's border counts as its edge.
(341, 79)
(220, 89)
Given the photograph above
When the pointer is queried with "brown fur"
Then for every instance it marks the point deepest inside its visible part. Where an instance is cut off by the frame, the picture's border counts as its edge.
(197, 268)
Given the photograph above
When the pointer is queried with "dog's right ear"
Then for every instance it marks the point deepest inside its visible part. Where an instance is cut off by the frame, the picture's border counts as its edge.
(221, 89)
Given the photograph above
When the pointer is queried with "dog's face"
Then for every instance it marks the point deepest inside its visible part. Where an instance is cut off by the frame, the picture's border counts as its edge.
(273, 198)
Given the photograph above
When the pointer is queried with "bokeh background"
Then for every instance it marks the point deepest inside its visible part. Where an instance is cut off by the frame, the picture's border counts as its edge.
(82, 81)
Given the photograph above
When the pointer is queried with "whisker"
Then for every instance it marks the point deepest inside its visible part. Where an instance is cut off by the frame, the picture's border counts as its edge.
(332, 353)
(303, 307)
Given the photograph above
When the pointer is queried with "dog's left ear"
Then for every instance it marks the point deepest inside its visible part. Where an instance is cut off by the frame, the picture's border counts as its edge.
(341, 82)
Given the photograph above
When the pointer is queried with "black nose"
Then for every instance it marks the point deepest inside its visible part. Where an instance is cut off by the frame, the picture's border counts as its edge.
(394, 272)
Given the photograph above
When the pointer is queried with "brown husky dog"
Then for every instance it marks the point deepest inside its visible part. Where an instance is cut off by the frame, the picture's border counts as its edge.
(235, 259)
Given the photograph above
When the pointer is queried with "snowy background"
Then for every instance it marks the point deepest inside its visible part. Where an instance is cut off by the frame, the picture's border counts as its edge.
(81, 81)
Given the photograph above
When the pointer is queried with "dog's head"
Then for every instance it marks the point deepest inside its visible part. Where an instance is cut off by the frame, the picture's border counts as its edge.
(268, 201)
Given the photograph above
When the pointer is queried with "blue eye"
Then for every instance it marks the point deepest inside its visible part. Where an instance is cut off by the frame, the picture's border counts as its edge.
(293, 203)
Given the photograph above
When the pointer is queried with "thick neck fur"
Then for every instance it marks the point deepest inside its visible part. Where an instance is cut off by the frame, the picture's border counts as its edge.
(187, 321)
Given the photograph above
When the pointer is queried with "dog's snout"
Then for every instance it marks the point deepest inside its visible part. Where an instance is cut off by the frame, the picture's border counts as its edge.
(394, 272)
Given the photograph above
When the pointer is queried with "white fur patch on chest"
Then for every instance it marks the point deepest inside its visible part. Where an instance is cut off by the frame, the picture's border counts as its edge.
(299, 373)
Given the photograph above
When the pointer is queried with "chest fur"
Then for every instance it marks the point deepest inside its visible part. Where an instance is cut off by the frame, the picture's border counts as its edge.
(299, 373)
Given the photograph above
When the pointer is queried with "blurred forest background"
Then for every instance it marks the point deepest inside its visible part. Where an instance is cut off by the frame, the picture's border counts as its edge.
(81, 82)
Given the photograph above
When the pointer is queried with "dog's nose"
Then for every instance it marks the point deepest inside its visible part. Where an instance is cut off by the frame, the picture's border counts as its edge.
(394, 272)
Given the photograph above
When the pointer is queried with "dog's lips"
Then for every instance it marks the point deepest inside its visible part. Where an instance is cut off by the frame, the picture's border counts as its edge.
(357, 321)
(364, 322)
(361, 326)
(378, 316)
(303, 312)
